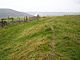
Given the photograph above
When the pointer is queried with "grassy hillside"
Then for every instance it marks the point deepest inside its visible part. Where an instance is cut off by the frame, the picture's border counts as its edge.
(4, 13)
(50, 38)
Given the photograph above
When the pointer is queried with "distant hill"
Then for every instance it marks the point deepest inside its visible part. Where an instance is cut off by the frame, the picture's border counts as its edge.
(12, 13)
(54, 13)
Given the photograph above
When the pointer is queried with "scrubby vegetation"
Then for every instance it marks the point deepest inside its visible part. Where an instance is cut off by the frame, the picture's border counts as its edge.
(49, 38)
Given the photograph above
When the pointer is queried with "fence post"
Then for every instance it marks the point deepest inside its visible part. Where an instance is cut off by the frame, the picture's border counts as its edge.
(12, 19)
(38, 16)
(2, 23)
(26, 18)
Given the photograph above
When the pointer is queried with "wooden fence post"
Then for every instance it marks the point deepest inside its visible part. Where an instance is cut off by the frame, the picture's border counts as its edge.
(2, 23)
(26, 18)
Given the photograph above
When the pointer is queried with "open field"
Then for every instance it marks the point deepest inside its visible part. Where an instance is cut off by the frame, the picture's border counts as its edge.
(49, 38)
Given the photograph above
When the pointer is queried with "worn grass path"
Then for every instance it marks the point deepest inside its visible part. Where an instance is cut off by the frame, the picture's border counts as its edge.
(49, 38)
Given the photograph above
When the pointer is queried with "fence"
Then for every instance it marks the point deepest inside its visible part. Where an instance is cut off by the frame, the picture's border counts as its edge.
(9, 21)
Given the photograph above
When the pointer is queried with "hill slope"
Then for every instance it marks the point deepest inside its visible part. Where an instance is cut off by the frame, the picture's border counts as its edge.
(12, 13)
(50, 38)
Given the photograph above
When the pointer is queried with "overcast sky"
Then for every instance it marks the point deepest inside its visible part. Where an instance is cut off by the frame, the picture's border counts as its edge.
(42, 5)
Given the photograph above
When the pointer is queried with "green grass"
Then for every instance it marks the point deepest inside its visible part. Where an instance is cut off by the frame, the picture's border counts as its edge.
(49, 38)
